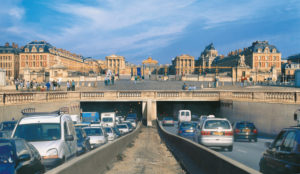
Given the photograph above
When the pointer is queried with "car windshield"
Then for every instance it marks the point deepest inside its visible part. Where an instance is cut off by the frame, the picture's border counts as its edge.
(6, 152)
(89, 119)
(78, 134)
(7, 126)
(129, 125)
(93, 132)
(122, 126)
(245, 125)
(188, 125)
(107, 119)
(217, 124)
(183, 113)
(38, 132)
(108, 130)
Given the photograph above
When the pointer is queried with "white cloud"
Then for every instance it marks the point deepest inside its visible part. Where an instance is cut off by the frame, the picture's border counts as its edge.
(16, 12)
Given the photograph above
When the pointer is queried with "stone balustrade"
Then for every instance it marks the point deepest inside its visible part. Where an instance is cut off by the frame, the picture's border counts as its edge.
(9, 98)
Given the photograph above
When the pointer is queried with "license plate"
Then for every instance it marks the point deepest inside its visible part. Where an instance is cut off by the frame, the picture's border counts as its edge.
(246, 130)
(218, 133)
(189, 131)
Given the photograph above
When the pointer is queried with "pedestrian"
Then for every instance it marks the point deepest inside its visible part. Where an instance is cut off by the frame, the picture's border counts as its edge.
(28, 85)
(184, 87)
(73, 85)
(68, 85)
(31, 85)
(17, 84)
(59, 83)
(135, 79)
(105, 80)
(112, 79)
(48, 85)
(22, 84)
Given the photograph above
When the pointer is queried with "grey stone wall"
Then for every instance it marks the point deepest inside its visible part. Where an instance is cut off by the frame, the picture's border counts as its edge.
(269, 118)
(7, 112)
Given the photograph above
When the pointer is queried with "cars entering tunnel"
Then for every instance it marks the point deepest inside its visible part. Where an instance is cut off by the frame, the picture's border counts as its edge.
(120, 108)
(170, 109)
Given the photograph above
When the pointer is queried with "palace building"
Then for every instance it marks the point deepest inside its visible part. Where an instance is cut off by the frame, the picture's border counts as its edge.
(9, 60)
(183, 64)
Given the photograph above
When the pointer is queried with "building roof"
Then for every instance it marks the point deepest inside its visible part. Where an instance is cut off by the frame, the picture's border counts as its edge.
(150, 61)
(294, 58)
(261, 45)
(9, 49)
(209, 47)
(38, 44)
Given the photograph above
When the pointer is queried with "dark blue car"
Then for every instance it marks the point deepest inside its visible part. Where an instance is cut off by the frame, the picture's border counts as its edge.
(187, 129)
(83, 141)
(19, 157)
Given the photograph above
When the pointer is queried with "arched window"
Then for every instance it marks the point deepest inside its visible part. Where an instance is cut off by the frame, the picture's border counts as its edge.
(33, 49)
(274, 50)
(259, 50)
(26, 50)
(266, 50)
(41, 49)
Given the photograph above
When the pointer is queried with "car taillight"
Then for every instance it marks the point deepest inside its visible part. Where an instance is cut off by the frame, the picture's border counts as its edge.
(237, 131)
(205, 133)
(255, 131)
(228, 133)
(180, 131)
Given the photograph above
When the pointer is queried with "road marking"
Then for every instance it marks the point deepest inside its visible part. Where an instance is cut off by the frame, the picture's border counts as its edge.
(239, 150)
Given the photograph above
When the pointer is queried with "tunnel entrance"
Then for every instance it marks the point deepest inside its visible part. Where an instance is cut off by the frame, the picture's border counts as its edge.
(198, 108)
(121, 108)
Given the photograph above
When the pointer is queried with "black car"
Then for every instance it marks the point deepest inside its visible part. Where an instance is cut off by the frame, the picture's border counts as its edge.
(283, 154)
(18, 156)
(6, 128)
(83, 141)
(117, 132)
(244, 130)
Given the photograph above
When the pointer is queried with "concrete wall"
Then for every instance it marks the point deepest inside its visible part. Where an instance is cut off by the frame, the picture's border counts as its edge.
(269, 118)
(7, 112)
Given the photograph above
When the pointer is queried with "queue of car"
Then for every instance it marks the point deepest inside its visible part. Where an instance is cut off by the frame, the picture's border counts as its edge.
(40, 141)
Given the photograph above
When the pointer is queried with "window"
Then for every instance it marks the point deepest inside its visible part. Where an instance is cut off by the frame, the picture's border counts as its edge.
(26, 50)
(21, 148)
(66, 129)
(267, 64)
(259, 58)
(289, 142)
(278, 141)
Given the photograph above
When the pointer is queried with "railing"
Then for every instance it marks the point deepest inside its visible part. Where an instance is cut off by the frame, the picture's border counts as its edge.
(92, 94)
(129, 94)
(200, 95)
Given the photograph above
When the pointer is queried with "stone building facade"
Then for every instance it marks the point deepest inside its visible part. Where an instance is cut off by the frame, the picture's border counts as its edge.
(9, 60)
(207, 56)
(115, 64)
(183, 65)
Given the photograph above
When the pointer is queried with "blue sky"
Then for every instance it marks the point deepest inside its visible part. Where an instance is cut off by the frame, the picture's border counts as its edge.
(162, 29)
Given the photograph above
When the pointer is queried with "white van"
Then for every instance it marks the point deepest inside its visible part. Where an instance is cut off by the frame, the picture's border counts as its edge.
(75, 119)
(108, 119)
(184, 115)
(52, 134)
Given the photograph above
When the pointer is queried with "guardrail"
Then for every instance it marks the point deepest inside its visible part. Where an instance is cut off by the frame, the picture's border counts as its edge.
(96, 161)
(206, 159)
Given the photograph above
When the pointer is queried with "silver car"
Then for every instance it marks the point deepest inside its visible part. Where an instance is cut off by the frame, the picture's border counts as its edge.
(123, 128)
(111, 134)
(97, 136)
(215, 132)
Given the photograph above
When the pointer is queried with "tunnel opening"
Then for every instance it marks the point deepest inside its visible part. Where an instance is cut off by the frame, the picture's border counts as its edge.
(198, 108)
(121, 108)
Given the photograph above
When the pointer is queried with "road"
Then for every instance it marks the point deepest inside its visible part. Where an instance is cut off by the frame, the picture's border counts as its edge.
(247, 153)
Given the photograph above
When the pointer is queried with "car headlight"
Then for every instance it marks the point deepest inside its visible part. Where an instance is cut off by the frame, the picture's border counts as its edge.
(51, 153)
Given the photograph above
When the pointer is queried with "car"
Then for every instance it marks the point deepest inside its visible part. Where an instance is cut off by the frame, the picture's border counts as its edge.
(215, 132)
(51, 133)
(245, 130)
(6, 128)
(83, 141)
(168, 121)
(111, 135)
(18, 156)
(132, 121)
(187, 129)
(184, 116)
(97, 136)
(130, 127)
(116, 131)
(132, 116)
(123, 128)
(283, 154)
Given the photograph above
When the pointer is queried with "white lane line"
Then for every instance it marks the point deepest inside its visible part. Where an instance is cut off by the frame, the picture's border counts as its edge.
(239, 150)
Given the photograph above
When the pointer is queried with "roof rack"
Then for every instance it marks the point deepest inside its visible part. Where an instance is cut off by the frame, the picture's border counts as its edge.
(54, 113)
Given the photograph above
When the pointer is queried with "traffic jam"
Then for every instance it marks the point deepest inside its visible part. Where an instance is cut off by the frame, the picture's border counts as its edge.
(280, 155)
(41, 141)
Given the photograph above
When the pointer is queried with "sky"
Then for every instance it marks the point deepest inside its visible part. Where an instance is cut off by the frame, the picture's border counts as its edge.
(162, 29)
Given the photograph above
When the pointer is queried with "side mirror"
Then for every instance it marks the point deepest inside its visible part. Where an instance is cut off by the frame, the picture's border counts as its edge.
(69, 138)
(267, 144)
(24, 157)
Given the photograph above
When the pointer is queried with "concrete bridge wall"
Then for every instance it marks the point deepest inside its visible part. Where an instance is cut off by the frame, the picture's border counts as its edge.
(269, 118)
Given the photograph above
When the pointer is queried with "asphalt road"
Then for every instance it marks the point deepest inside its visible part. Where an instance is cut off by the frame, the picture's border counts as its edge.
(247, 153)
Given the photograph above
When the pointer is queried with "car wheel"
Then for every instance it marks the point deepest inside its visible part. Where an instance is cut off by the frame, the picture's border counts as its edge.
(230, 148)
